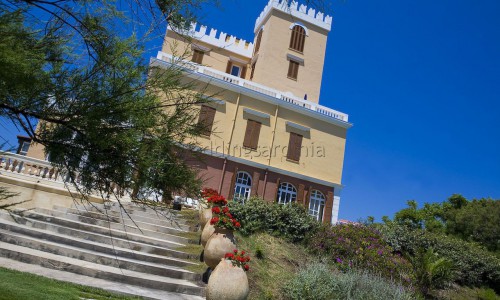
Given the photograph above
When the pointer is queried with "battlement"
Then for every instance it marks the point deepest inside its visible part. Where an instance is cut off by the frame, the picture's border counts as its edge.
(221, 40)
(301, 12)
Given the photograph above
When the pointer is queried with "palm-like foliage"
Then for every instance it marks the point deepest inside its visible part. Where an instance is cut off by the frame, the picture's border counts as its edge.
(432, 271)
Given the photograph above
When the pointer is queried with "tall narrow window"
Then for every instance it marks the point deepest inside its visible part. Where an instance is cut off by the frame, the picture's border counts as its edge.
(287, 193)
(298, 38)
(293, 70)
(206, 119)
(317, 205)
(236, 70)
(294, 146)
(197, 56)
(242, 186)
(23, 150)
(253, 70)
(252, 134)
(257, 42)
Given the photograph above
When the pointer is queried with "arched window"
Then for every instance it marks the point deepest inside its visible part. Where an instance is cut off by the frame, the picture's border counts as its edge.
(317, 204)
(242, 186)
(298, 38)
(287, 193)
(257, 42)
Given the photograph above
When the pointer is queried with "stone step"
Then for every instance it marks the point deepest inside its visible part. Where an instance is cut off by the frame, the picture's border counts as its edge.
(94, 256)
(142, 225)
(113, 225)
(163, 220)
(57, 262)
(34, 215)
(169, 215)
(68, 235)
(116, 287)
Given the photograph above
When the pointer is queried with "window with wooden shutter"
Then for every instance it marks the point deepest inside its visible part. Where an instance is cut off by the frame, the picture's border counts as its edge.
(197, 56)
(253, 70)
(298, 38)
(294, 146)
(257, 42)
(293, 70)
(252, 132)
(206, 119)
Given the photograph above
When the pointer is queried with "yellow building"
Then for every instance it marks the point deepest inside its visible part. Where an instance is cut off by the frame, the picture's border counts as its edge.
(266, 133)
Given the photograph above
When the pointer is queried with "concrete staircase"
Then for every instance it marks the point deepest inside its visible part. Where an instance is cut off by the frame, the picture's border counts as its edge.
(101, 246)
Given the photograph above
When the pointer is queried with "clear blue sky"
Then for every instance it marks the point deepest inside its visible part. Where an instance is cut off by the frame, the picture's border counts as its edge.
(420, 80)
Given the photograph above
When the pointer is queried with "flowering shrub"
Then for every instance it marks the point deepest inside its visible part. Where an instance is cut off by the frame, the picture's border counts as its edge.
(360, 246)
(217, 200)
(222, 218)
(208, 192)
(238, 259)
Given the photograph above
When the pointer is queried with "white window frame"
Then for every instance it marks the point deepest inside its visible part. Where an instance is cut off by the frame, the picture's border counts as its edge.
(239, 70)
(287, 193)
(317, 204)
(21, 151)
(242, 186)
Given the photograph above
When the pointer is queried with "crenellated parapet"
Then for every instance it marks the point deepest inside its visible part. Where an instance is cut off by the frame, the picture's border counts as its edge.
(297, 11)
(219, 39)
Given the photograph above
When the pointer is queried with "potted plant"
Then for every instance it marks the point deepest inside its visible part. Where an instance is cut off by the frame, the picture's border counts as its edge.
(222, 240)
(229, 279)
(206, 205)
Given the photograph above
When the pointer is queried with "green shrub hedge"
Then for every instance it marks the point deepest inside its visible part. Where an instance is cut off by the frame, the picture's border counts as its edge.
(474, 265)
(318, 282)
(288, 221)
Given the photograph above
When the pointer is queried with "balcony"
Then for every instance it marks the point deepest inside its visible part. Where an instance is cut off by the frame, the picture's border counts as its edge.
(166, 58)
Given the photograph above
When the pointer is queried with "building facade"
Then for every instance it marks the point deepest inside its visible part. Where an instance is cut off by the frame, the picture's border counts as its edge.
(266, 133)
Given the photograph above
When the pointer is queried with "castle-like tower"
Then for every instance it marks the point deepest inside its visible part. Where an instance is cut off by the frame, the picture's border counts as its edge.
(289, 48)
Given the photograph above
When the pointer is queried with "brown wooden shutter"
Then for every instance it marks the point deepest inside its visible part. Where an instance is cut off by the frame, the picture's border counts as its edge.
(294, 146)
(257, 42)
(253, 70)
(206, 119)
(307, 198)
(243, 72)
(293, 69)
(328, 208)
(278, 182)
(255, 183)
(300, 194)
(197, 56)
(255, 134)
(297, 40)
(231, 186)
(252, 132)
(228, 67)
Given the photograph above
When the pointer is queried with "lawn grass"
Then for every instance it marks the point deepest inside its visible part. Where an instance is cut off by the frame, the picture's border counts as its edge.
(15, 285)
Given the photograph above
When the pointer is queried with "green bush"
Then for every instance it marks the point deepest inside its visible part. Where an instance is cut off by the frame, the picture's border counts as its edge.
(317, 282)
(361, 247)
(288, 221)
(432, 271)
(474, 265)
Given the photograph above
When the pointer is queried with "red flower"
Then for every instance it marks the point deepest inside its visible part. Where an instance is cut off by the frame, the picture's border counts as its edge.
(216, 210)
(214, 220)
(235, 251)
(237, 224)
(225, 209)
(229, 215)
(242, 252)
(246, 267)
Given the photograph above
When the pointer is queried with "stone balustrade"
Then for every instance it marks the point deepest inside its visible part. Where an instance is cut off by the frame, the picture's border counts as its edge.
(168, 59)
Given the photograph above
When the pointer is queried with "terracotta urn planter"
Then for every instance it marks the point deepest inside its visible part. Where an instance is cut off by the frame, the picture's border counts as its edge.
(227, 282)
(207, 232)
(221, 242)
(205, 215)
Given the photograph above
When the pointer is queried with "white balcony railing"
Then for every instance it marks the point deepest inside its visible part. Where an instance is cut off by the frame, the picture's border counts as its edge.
(169, 59)
(31, 168)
